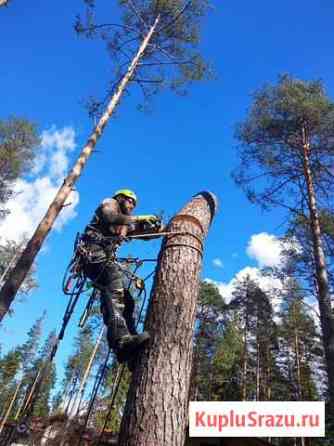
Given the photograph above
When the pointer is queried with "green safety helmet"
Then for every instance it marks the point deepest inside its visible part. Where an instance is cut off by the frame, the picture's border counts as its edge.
(127, 193)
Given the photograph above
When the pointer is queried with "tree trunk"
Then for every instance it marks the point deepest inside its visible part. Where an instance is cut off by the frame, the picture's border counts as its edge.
(298, 367)
(269, 375)
(19, 272)
(258, 365)
(297, 355)
(8, 411)
(325, 308)
(75, 411)
(245, 362)
(156, 411)
(258, 371)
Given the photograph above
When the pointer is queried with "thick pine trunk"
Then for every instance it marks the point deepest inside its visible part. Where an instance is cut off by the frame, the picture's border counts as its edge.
(325, 308)
(19, 272)
(156, 411)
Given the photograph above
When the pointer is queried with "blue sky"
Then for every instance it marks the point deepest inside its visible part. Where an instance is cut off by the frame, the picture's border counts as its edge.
(184, 146)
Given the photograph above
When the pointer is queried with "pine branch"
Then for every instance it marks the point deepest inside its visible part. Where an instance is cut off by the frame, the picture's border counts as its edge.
(167, 63)
(179, 14)
(108, 25)
(134, 9)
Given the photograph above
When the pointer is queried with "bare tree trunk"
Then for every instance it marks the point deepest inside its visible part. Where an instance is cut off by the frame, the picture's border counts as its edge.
(30, 394)
(297, 355)
(156, 411)
(258, 365)
(244, 363)
(258, 371)
(5, 418)
(78, 398)
(19, 272)
(325, 308)
(268, 384)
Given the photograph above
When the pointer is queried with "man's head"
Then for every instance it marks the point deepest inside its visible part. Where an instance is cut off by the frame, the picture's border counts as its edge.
(127, 200)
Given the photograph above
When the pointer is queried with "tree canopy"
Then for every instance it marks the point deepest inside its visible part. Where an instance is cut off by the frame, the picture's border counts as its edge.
(271, 169)
(18, 146)
(172, 58)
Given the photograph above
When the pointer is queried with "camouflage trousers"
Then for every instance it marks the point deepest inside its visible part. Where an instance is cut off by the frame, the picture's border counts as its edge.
(117, 304)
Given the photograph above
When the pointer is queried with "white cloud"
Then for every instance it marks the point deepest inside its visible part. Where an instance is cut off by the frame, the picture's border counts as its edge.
(269, 284)
(55, 147)
(267, 249)
(34, 195)
(218, 263)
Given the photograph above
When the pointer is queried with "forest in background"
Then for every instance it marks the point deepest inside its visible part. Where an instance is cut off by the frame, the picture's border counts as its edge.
(261, 345)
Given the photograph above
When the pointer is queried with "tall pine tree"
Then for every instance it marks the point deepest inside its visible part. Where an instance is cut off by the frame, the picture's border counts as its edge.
(286, 159)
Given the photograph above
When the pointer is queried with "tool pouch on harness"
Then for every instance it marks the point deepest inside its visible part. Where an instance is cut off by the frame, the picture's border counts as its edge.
(93, 247)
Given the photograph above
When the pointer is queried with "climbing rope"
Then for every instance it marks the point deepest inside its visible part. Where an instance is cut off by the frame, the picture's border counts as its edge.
(74, 284)
(97, 383)
(115, 387)
(117, 378)
(133, 278)
(120, 370)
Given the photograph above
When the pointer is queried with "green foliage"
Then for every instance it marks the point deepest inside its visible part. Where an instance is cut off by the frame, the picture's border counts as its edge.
(299, 336)
(272, 140)
(77, 362)
(46, 373)
(301, 263)
(56, 402)
(18, 144)
(254, 312)
(226, 376)
(209, 326)
(171, 60)
(9, 366)
(84, 345)
(23, 358)
(115, 419)
(29, 349)
(9, 253)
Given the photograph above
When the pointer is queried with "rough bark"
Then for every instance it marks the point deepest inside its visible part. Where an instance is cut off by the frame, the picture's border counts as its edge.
(324, 298)
(156, 411)
(22, 267)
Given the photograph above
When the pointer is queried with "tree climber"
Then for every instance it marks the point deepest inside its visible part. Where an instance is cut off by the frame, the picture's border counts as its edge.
(110, 225)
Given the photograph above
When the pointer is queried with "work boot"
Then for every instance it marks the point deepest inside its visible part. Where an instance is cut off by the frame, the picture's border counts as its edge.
(128, 345)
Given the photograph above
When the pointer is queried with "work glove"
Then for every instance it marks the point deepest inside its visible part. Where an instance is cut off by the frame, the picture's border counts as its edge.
(151, 219)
